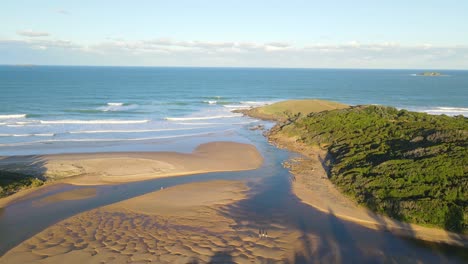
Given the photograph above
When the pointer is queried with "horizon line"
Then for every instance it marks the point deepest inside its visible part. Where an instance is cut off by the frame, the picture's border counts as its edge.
(222, 67)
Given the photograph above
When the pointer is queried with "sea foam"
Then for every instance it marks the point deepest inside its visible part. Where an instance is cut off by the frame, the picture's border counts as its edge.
(15, 116)
(134, 131)
(107, 121)
(28, 135)
(452, 111)
(111, 139)
(200, 118)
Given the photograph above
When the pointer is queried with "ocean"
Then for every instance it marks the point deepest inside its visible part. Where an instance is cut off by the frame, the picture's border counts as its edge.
(60, 109)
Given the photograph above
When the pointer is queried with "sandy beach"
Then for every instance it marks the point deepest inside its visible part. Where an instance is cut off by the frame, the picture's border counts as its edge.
(311, 185)
(110, 168)
(190, 223)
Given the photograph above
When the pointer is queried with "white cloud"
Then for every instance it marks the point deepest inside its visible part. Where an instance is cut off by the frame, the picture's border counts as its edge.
(31, 33)
(161, 52)
(42, 44)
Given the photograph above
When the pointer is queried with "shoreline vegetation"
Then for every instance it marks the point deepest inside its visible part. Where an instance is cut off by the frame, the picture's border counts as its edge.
(384, 168)
(20, 175)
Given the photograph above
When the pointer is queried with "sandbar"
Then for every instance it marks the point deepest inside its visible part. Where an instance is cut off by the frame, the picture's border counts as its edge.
(189, 223)
(113, 168)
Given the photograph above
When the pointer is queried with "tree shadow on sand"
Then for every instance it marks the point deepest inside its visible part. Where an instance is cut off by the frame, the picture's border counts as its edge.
(220, 257)
(324, 238)
(21, 172)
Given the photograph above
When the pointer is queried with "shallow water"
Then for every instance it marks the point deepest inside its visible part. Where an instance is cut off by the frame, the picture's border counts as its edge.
(270, 202)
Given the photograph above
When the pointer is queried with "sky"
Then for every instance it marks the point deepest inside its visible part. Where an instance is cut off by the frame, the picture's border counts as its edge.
(215, 33)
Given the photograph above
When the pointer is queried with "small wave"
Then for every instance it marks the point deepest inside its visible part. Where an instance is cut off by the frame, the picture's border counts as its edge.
(133, 131)
(248, 104)
(108, 121)
(200, 118)
(24, 123)
(451, 111)
(12, 116)
(257, 103)
(211, 102)
(213, 97)
(114, 107)
(237, 106)
(218, 124)
(28, 135)
(112, 139)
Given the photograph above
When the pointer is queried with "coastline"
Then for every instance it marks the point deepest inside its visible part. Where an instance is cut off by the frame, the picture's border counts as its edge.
(113, 168)
(311, 185)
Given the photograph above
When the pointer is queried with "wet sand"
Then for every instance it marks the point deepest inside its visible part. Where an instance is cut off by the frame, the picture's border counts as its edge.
(311, 185)
(110, 168)
(189, 223)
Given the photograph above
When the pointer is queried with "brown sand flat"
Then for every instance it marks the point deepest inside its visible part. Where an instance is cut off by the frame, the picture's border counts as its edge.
(189, 223)
(312, 186)
(102, 168)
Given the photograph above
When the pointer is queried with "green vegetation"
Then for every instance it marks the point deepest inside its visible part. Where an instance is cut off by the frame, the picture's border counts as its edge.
(430, 74)
(285, 109)
(410, 166)
(11, 182)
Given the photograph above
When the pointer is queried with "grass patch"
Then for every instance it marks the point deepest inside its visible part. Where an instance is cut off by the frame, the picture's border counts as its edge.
(287, 109)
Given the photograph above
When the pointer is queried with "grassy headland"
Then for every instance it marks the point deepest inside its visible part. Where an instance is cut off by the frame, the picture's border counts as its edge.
(284, 110)
(407, 165)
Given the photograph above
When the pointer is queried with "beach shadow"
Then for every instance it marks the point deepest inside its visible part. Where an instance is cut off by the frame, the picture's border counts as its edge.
(223, 257)
(33, 165)
(324, 237)
(17, 173)
(407, 233)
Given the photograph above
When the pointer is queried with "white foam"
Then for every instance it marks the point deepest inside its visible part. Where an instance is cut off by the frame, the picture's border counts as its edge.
(112, 139)
(133, 131)
(114, 107)
(237, 106)
(200, 118)
(211, 102)
(28, 135)
(248, 104)
(452, 111)
(12, 116)
(105, 121)
(238, 123)
(24, 123)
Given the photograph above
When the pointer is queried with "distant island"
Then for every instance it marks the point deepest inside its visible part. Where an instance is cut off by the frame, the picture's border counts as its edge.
(406, 165)
(429, 74)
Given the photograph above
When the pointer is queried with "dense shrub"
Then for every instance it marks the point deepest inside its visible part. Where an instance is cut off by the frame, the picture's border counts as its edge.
(11, 182)
(410, 166)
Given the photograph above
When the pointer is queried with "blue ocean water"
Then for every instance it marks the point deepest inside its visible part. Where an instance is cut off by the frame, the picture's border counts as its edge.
(55, 109)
